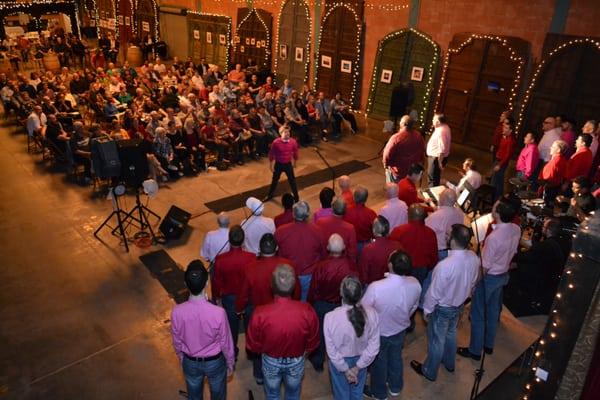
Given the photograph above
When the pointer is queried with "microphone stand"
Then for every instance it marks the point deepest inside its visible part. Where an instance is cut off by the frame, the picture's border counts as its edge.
(329, 167)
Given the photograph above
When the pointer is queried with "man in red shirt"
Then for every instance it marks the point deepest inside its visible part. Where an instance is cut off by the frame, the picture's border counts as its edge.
(373, 263)
(228, 276)
(336, 224)
(404, 148)
(554, 172)
(497, 137)
(407, 187)
(361, 217)
(580, 163)
(283, 332)
(282, 158)
(302, 243)
(505, 151)
(346, 192)
(324, 292)
(419, 241)
(287, 216)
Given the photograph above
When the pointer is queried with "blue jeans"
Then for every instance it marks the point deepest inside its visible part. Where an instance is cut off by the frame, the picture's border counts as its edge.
(290, 370)
(483, 330)
(497, 181)
(342, 390)
(228, 302)
(321, 308)
(387, 367)
(441, 340)
(304, 286)
(423, 275)
(215, 371)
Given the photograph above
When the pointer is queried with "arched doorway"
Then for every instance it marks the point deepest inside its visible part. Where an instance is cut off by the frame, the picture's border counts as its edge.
(89, 18)
(106, 17)
(253, 38)
(146, 16)
(339, 48)
(482, 77)
(200, 27)
(565, 82)
(404, 56)
(125, 24)
(293, 43)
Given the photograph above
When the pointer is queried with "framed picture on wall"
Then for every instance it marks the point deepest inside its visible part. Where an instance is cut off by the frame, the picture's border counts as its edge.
(258, 44)
(127, 21)
(145, 26)
(386, 76)
(247, 41)
(242, 49)
(222, 39)
(263, 43)
(236, 39)
(283, 52)
(196, 35)
(416, 74)
(120, 19)
(252, 41)
(208, 37)
(325, 61)
(299, 55)
(346, 66)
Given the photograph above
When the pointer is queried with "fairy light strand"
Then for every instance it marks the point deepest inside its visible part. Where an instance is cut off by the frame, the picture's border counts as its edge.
(228, 24)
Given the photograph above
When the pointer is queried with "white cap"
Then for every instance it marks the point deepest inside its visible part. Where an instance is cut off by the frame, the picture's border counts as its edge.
(255, 205)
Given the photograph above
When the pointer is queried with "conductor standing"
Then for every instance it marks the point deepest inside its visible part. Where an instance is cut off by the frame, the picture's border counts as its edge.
(282, 158)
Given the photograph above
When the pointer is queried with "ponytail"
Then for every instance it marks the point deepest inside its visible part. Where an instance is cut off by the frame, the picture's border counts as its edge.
(351, 291)
(356, 316)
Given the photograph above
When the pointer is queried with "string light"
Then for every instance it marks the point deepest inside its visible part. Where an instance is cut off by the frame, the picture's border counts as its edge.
(18, 7)
(227, 23)
(132, 8)
(375, 81)
(541, 68)
(267, 46)
(307, 49)
(356, 61)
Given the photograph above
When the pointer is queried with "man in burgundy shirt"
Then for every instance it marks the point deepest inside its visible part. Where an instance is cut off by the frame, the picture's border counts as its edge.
(503, 156)
(282, 158)
(287, 216)
(373, 263)
(324, 292)
(302, 243)
(346, 191)
(404, 148)
(553, 174)
(228, 276)
(256, 289)
(361, 217)
(580, 163)
(336, 224)
(202, 339)
(283, 332)
(407, 187)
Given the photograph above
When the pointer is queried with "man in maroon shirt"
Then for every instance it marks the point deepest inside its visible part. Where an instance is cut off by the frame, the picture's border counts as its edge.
(336, 224)
(504, 153)
(324, 292)
(282, 158)
(287, 216)
(302, 243)
(373, 263)
(580, 163)
(407, 187)
(228, 276)
(256, 289)
(361, 217)
(283, 332)
(404, 148)
(345, 190)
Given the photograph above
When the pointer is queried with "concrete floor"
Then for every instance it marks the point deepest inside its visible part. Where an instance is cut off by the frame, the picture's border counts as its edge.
(83, 319)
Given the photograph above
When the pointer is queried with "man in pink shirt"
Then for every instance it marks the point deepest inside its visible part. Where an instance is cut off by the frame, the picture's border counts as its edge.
(202, 339)
(438, 149)
(528, 159)
(282, 158)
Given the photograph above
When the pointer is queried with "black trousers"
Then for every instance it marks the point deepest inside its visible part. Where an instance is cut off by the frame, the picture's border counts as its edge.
(289, 172)
(434, 173)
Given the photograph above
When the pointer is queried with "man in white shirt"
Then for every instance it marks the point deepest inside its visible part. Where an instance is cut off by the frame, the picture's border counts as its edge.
(395, 299)
(394, 209)
(471, 175)
(438, 149)
(452, 283)
(443, 218)
(159, 66)
(256, 225)
(498, 250)
(36, 122)
(217, 241)
(551, 134)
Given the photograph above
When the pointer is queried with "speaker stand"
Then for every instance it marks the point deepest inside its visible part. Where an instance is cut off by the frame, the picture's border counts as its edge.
(138, 216)
(118, 230)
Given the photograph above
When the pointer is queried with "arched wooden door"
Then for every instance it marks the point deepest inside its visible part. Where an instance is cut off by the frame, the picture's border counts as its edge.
(565, 82)
(209, 38)
(405, 56)
(253, 38)
(338, 68)
(89, 17)
(146, 16)
(107, 17)
(125, 24)
(482, 78)
(293, 44)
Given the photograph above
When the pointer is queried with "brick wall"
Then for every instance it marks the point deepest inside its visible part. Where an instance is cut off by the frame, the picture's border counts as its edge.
(583, 18)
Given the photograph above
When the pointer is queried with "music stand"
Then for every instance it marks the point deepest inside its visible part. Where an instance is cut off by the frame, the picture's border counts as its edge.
(119, 230)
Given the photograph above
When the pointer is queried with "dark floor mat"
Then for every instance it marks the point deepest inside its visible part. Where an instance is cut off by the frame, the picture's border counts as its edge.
(324, 175)
(164, 268)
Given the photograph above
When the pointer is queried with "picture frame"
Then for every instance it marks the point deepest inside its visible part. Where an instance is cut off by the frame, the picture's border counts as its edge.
(252, 41)
(120, 20)
(325, 61)
(196, 35)
(386, 76)
(299, 54)
(263, 43)
(242, 49)
(346, 66)
(417, 74)
(208, 37)
(247, 41)
(283, 52)
(222, 39)
(127, 21)
(236, 39)
(258, 44)
(145, 26)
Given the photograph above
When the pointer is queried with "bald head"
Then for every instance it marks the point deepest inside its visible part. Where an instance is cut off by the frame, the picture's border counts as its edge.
(447, 198)
(223, 220)
(344, 182)
(335, 245)
(391, 190)
(416, 212)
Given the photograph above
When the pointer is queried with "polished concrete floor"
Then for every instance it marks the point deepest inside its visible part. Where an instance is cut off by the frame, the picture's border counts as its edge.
(82, 319)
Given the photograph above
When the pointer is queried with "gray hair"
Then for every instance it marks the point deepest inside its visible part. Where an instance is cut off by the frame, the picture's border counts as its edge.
(301, 211)
(284, 280)
(223, 220)
(344, 182)
(391, 190)
(335, 244)
(562, 145)
(360, 195)
(447, 198)
(381, 226)
(339, 206)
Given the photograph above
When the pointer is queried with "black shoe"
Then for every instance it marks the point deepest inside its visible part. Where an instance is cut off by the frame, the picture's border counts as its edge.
(259, 381)
(418, 368)
(368, 394)
(267, 198)
(449, 370)
(464, 352)
(488, 350)
(318, 367)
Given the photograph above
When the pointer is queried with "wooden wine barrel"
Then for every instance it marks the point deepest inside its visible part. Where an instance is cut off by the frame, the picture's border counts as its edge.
(5, 66)
(51, 62)
(134, 56)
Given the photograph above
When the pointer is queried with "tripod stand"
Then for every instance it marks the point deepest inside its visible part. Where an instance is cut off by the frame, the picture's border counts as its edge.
(138, 216)
(118, 230)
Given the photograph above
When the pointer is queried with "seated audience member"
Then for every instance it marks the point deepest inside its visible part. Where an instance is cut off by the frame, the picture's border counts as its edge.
(340, 111)
(217, 241)
(326, 196)
(394, 209)
(287, 216)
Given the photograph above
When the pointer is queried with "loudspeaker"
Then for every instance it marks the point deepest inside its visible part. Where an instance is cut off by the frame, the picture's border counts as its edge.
(174, 223)
(105, 158)
(134, 163)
